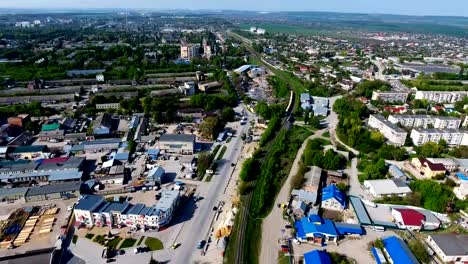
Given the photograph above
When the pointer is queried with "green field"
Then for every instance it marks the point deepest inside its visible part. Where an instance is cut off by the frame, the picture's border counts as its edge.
(153, 243)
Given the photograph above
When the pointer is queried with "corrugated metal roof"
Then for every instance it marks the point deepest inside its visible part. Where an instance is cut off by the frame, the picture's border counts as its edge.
(89, 202)
(317, 257)
(399, 251)
(332, 192)
(53, 188)
(360, 210)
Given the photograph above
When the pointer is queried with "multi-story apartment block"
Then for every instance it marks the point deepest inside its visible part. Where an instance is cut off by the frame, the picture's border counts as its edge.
(94, 210)
(394, 134)
(425, 121)
(441, 96)
(388, 96)
(453, 137)
(188, 51)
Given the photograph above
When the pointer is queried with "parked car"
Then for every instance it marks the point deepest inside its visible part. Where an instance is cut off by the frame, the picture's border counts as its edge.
(200, 244)
(175, 245)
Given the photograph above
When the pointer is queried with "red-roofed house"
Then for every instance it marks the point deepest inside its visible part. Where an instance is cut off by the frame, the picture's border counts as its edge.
(428, 168)
(395, 109)
(408, 218)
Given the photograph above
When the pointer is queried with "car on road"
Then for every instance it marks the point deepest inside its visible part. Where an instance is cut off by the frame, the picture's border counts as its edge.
(200, 244)
(175, 245)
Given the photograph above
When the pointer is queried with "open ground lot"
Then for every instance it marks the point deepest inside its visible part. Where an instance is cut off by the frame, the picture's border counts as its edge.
(353, 248)
(36, 240)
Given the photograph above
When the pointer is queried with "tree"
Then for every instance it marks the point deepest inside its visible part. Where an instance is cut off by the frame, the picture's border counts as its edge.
(306, 116)
(228, 114)
(209, 127)
(375, 171)
(203, 161)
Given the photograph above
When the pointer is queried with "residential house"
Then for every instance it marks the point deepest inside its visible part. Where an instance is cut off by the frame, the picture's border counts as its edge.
(427, 168)
(453, 137)
(333, 198)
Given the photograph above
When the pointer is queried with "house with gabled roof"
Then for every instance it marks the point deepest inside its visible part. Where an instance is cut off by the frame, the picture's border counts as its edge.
(333, 198)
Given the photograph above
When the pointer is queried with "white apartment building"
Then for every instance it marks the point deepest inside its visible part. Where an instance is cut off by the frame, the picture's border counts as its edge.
(108, 106)
(394, 134)
(453, 137)
(389, 96)
(440, 122)
(188, 51)
(441, 96)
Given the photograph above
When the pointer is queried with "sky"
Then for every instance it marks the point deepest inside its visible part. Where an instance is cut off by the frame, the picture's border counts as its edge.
(406, 7)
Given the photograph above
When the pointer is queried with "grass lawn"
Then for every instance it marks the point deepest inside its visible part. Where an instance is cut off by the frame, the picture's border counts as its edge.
(153, 243)
(74, 239)
(221, 153)
(282, 258)
(114, 242)
(141, 240)
(99, 239)
(89, 236)
(326, 134)
(128, 242)
(209, 177)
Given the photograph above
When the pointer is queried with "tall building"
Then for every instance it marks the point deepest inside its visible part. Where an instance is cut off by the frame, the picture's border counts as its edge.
(453, 137)
(441, 96)
(389, 96)
(206, 50)
(394, 134)
(425, 121)
(188, 51)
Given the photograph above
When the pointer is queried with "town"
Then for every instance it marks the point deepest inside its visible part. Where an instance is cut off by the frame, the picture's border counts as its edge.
(156, 137)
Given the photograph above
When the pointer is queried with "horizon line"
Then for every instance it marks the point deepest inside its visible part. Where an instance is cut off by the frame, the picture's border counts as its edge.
(69, 9)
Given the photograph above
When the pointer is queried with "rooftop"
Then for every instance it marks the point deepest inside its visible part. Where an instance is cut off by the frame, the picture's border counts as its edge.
(388, 186)
(411, 217)
(89, 202)
(331, 191)
(54, 188)
(28, 149)
(177, 137)
(316, 226)
(452, 244)
(317, 257)
(399, 251)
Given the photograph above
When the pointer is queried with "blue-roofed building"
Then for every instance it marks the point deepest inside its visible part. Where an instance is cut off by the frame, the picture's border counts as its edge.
(84, 209)
(314, 229)
(378, 255)
(317, 257)
(396, 172)
(155, 176)
(344, 229)
(333, 198)
(398, 252)
(153, 154)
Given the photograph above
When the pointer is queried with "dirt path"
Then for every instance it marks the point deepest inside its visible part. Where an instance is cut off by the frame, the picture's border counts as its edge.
(273, 223)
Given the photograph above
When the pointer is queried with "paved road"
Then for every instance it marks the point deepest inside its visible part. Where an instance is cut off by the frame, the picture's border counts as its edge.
(197, 228)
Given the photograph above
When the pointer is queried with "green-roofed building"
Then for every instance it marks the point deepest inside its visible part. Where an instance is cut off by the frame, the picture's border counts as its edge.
(50, 127)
